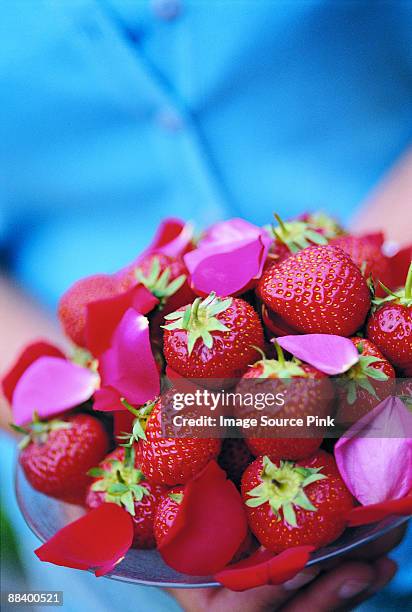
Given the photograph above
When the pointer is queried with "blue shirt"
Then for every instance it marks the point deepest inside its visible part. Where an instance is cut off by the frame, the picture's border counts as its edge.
(116, 113)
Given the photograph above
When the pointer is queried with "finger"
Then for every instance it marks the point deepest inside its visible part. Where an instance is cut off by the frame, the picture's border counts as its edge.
(385, 570)
(371, 550)
(335, 588)
(261, 599)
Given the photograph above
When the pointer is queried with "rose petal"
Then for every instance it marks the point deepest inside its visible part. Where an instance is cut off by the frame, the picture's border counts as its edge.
(363, 515)
(99, 539)
(122, 422)
(29, 354)
(107, 399)
(214, 265)
(399, 264)
(103, 316)
(374, 456)
(264, 567)
(49, 386)
(173, 238)
(328, 353)
(129, 366)
(209, 527)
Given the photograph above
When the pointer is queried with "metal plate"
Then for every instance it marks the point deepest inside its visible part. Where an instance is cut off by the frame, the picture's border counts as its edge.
(45, 516)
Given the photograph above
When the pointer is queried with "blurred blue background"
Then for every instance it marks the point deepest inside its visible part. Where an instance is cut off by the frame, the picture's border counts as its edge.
(116, 113)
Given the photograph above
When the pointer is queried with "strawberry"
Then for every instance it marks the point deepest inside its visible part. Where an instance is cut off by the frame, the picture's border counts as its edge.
(366, 252)
(390, 326)
(294, 504)
(57, 454)
(307, 391)
(119, 480)
(365, 384)
(234, 458)
(318, 290)
(171, 461)
(212, 338)
(166, 512)
(72, 305)
(166, 279)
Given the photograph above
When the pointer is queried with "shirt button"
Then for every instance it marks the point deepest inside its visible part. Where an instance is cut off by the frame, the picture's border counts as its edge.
(169, 120)
(166, 9)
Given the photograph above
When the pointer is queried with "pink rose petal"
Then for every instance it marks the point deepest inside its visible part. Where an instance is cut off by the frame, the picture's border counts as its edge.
(103, 316)
(328, 353)
(375, 455)
(30, 353)
(128, 366)
(214, 265)
(49, 386)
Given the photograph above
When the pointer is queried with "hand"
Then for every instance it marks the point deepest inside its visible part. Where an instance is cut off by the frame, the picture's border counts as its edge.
(338, 585)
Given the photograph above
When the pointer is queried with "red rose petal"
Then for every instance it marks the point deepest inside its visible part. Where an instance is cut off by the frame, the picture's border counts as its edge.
(99, 539)
(122, 422)
(400, 263)
(263, 568)
(107, 399)
(103, 316)
(363, 515)
(209, 527)
(29, 354)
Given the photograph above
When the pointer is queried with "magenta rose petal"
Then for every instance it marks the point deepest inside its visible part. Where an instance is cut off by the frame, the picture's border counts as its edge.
(103, 316)
(99, 540)
(375, 455)
(214, 265)
(51, 385)
(128, 366)
(328, 353)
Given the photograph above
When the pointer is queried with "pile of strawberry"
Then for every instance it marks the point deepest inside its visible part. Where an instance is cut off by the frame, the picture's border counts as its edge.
(247, 511)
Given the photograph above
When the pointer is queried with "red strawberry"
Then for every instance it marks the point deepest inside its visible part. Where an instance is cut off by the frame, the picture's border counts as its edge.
(309, 393)
(172, 461)
(234, 458)
(166, 279)
(119, 480)
(212, 338)
(72, 306)
(166, 512)
(390, 327)
(366, 252)
(318, 290)
(365, 384)
(295, 504)
(57, 454)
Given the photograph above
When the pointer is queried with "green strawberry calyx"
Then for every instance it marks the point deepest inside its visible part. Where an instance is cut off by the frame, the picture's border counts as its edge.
(402, 296)
(297, 235)
(158, 281)
(360, 373)
(329, 226)
(278, 368)
(38, 431)
(121, 483)
(142, 415)
(200, 319)
(176, 497)
(282, 487)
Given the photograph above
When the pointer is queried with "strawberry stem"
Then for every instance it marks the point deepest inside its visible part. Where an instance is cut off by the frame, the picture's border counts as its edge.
(408, 284)
(280, 354)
